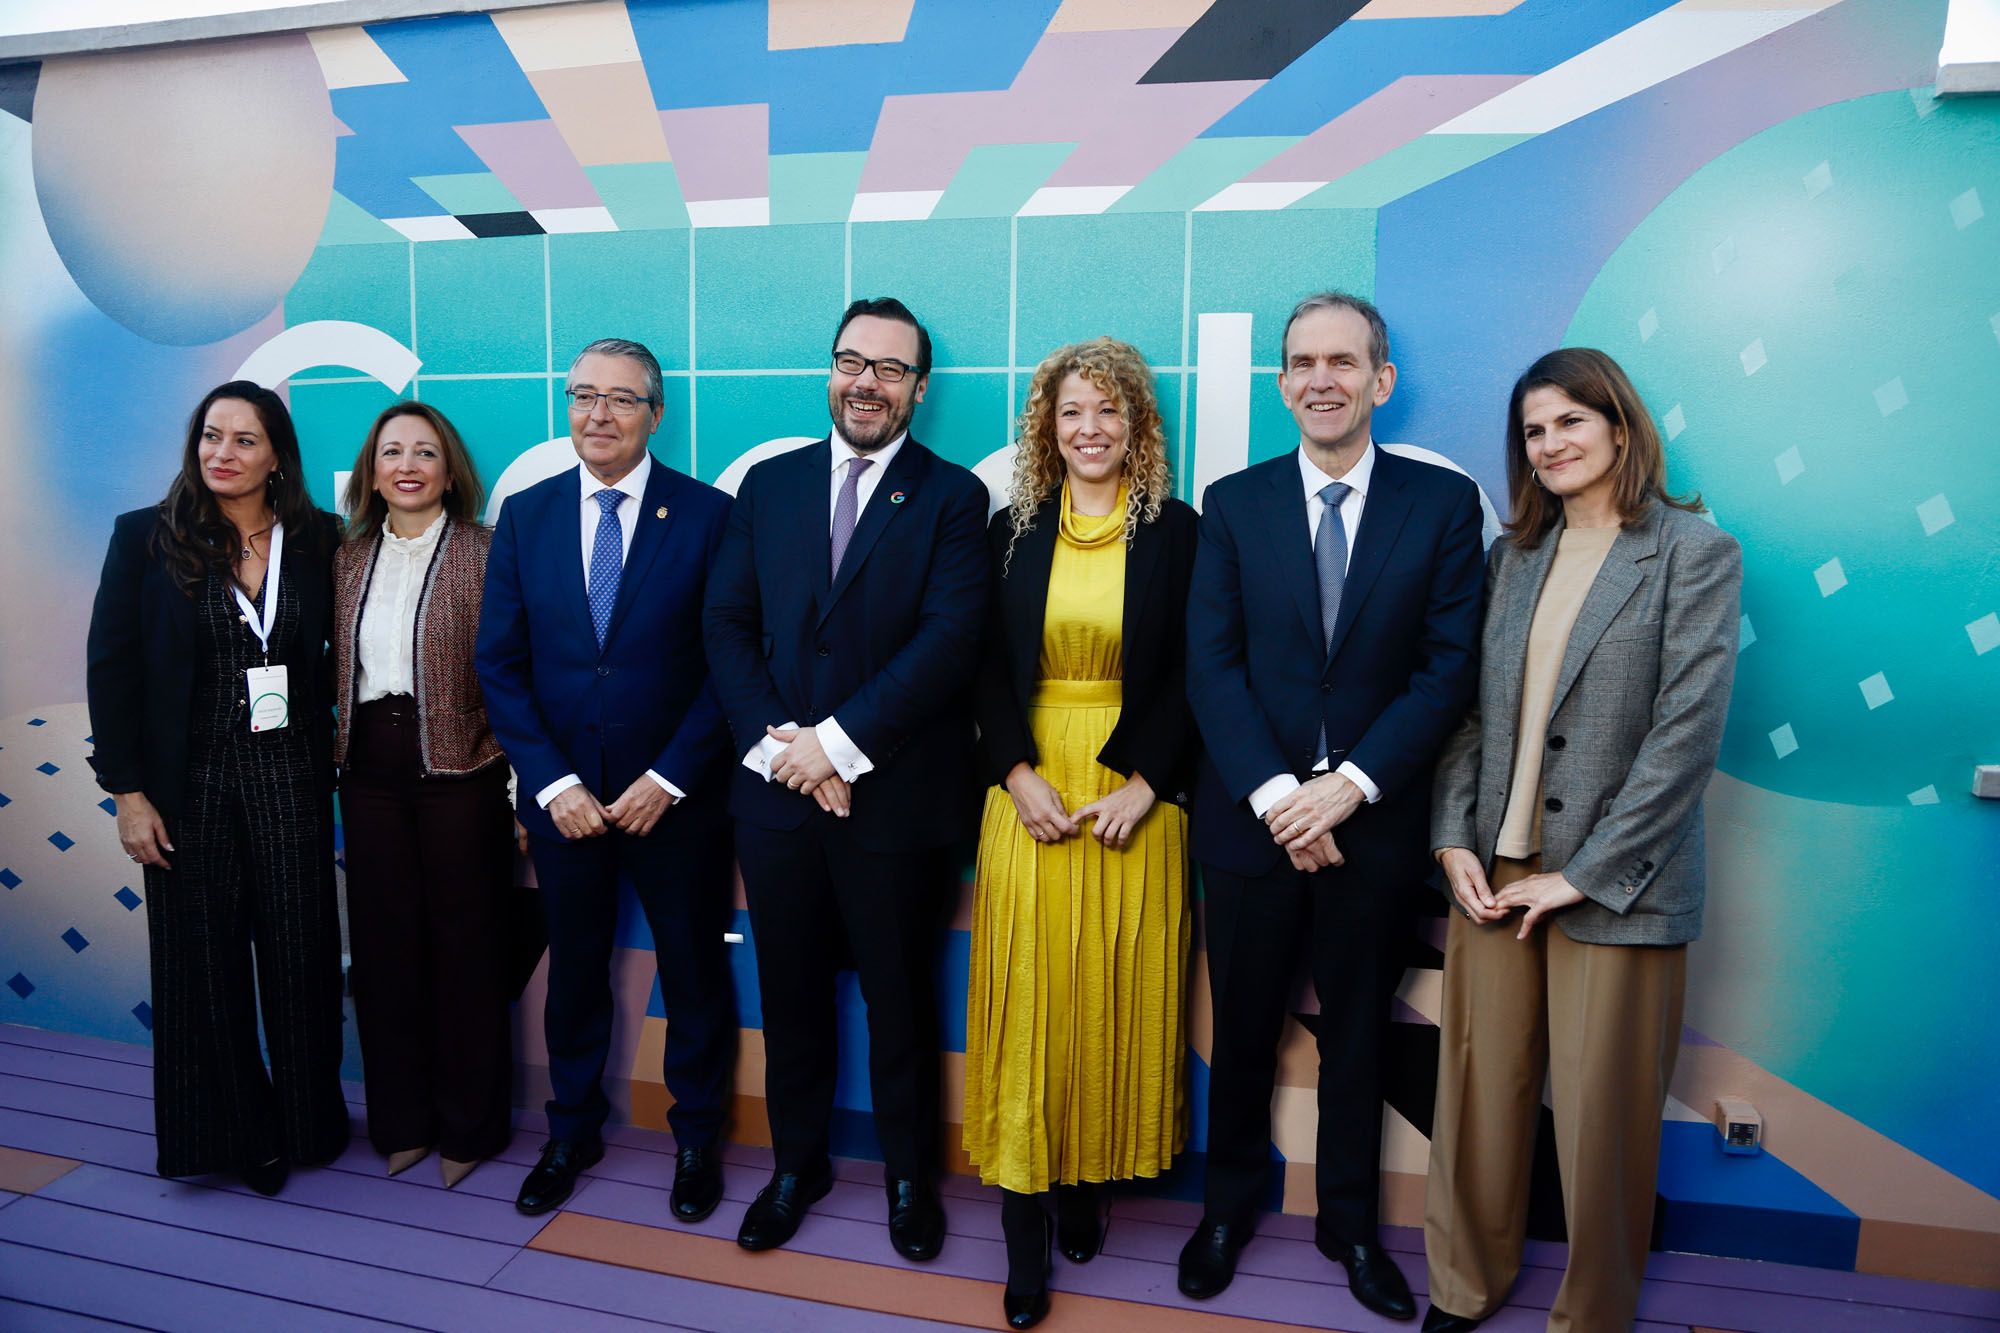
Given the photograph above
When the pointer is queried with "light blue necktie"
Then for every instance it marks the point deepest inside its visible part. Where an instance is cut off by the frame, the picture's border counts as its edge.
(1330, 560)
(607, 561)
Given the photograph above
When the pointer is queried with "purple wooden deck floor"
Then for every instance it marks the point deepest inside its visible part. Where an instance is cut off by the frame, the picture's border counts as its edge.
(106, 1243)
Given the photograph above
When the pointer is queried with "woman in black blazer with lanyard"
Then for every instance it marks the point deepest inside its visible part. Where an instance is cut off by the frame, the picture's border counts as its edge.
(1075, 1037)
(209, 703)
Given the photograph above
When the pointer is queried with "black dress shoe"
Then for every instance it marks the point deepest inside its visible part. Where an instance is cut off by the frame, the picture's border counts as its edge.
(916, 1220)
(1441, 1321)
(774, 1215)
(554, 1176)
(1373, 1277)
(1208, 1260)
(697, 1183)
(1025, 1309)
(1079, 1223)
(267, 1179)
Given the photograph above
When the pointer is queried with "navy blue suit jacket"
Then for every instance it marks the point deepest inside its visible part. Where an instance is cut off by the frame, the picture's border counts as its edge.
(561, 705)
(890, 648)
(1400, 675)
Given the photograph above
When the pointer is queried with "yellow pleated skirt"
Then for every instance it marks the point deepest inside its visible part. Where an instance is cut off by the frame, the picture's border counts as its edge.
(1076, 1041)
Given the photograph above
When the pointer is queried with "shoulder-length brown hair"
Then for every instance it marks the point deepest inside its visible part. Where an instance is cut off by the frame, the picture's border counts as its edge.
(464, 493)
(1639, 473)
(193, 538)
(1121, 374)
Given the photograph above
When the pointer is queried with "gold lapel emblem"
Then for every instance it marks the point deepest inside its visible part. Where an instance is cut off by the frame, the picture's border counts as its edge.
(661, 512)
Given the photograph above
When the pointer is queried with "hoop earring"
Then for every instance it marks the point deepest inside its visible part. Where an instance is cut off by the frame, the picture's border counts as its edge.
(1536, 473)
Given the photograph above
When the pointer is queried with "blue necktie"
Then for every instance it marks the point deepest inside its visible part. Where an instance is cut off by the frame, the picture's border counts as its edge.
(607, 561)
(1330, 560)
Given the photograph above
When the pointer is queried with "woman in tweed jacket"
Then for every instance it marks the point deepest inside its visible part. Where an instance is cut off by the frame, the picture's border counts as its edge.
(1567, 821)
(423, 799)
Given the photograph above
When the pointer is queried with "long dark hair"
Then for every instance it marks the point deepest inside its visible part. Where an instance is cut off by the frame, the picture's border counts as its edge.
(464, 493)
(1639, 476)
(193, 538)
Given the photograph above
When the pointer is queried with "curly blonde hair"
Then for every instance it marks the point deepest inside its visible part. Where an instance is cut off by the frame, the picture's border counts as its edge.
(1121, 374)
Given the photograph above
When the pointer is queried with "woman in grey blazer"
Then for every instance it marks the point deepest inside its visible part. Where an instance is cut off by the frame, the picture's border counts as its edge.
(1567, 821)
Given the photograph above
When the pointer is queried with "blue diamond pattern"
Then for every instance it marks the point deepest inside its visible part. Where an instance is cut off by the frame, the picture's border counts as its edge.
(144, 1013)
(9, 878)
(108, 806)
(20, 985)
(75, 940)
(38, 722)
(48, 768)
(63, 842)
(128, 899)
(5, 800)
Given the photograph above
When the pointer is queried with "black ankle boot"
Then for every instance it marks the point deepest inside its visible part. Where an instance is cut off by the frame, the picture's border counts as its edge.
(1079, 1222)
(1029, 1233)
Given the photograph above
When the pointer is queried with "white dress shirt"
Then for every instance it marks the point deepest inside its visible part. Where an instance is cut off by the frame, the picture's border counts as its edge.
(590, 513)
(385, 642)
(1352, 504)
(846, 757)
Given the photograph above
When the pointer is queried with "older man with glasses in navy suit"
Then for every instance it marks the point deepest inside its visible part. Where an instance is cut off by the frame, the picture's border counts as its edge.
(590, 656)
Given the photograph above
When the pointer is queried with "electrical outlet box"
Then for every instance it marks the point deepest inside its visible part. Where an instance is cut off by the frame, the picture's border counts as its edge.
(1741, 1128)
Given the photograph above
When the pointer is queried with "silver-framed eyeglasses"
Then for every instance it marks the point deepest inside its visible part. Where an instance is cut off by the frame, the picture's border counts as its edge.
(622, 404)
(887, 368)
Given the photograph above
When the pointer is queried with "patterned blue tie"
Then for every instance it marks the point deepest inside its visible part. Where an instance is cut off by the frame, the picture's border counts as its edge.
(607, 561)
(1330, 560)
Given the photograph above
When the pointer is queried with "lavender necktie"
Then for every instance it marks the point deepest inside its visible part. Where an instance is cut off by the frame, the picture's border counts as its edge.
(846, 508)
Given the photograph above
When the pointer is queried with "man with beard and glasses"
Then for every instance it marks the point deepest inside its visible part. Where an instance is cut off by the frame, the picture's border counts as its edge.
(843, 618)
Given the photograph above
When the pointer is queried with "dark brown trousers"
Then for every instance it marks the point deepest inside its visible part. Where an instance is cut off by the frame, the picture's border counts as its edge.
(429, 864)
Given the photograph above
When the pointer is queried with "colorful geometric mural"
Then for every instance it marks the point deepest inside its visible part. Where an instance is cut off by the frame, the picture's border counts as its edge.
(1756, 205)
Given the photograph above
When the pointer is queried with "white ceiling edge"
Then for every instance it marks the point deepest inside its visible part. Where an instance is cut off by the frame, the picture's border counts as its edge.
(33, 31)
(1969, 62)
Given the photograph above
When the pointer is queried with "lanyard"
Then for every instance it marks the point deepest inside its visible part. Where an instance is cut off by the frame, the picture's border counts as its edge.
(261, 626)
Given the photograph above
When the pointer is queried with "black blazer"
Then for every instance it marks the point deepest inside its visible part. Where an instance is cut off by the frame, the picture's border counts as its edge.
(1155, 732)
(142, 650)
(889, 648)
(1402, 671)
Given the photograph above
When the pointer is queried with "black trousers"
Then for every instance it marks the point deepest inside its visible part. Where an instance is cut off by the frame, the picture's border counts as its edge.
(252, 873)
(816, 895)
(1352, 921)
(680, 872)
(429, 863)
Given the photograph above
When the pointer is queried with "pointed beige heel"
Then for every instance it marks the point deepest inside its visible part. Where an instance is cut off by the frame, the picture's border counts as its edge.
(399, 1162)
(454, 1171)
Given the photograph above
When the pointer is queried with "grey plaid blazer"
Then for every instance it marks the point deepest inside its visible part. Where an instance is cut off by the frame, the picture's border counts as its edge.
(1632, 740)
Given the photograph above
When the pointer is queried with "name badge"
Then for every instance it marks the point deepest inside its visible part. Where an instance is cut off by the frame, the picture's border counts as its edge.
(270, 697)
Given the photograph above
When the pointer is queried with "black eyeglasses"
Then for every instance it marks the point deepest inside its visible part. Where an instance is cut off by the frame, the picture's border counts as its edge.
(887, 369)
(621, 404)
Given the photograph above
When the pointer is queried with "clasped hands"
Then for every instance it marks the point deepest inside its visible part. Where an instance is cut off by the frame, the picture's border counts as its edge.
(578, 814)
(1303, 819)
(804, 767)
(1537, 894)
(1116, 814)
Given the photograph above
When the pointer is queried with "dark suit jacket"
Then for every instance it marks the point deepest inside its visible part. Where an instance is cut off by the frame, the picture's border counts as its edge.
(890, 648)
(142, 656)
(1398, 679)
(1633, 731)
(558, 703)
(1155, 733)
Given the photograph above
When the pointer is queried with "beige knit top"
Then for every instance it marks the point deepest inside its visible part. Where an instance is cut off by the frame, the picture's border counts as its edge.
(1579, 554)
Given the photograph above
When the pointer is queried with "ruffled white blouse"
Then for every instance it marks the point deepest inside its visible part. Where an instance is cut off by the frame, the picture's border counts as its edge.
(386, 640)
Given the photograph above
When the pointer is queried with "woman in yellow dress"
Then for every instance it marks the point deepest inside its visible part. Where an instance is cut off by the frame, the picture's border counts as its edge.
(1075, 1035)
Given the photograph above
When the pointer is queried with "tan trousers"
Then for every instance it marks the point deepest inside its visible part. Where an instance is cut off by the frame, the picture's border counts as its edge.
(1604, 1021)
